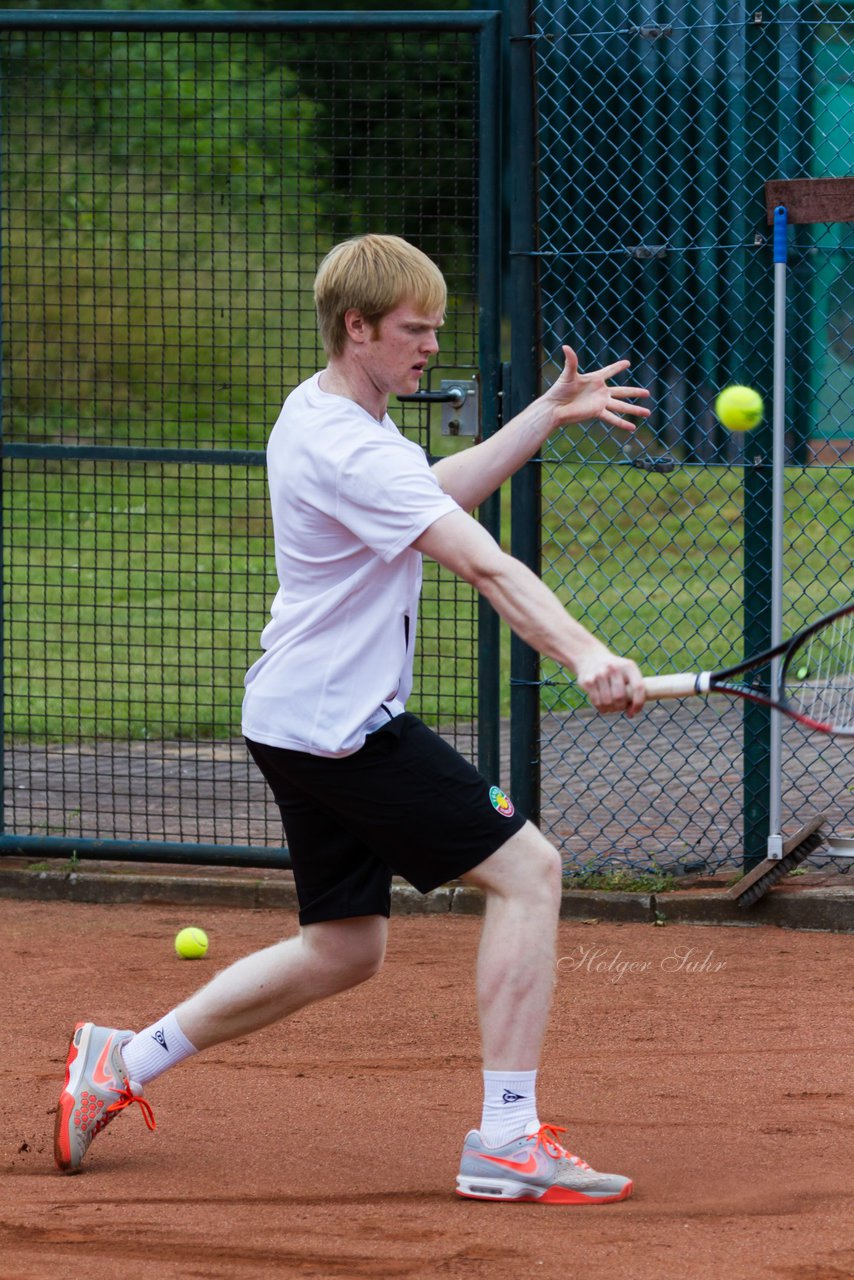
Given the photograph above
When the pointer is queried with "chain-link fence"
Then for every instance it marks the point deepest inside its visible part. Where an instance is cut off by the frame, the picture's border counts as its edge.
(169, 184)
(656, 136)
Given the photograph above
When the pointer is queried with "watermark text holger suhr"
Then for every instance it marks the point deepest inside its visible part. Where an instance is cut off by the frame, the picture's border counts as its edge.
(616, 965)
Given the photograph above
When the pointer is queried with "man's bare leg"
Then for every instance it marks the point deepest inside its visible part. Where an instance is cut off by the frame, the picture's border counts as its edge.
(511, 1156)
(319, 961)
(516, 959)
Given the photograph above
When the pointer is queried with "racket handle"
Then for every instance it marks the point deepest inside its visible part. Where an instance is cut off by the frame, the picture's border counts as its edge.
(683, 685)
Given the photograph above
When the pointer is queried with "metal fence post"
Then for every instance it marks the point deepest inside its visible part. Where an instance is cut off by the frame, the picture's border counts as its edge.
(799, 90)
(489, 358)
(525, 500)
(2, 518)
(761, 133)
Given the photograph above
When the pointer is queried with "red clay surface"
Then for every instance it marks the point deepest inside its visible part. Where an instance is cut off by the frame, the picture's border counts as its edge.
(713, 1065)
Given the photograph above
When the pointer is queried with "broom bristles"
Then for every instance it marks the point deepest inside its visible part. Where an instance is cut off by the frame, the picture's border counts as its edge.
(763, 877)
(779, 868)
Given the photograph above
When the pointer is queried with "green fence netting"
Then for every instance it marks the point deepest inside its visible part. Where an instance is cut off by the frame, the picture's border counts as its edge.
(169, 184)
(656, 131)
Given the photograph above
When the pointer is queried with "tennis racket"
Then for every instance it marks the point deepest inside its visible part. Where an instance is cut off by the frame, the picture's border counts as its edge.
(815, 677)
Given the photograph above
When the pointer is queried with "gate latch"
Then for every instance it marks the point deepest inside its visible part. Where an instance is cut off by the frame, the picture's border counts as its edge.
(459, 401)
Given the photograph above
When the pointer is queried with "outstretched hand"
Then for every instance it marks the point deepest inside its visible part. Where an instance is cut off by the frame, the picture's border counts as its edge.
(579, 397)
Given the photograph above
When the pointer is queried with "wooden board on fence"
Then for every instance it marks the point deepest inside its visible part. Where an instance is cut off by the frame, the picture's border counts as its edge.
(811, 199)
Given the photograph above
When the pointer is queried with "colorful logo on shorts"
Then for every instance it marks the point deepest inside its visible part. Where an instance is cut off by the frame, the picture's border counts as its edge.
(501, 802)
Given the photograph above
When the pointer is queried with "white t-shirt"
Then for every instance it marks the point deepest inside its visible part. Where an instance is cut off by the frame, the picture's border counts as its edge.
(349, 495)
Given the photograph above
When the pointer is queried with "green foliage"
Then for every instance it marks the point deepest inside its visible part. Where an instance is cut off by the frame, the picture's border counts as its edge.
(168, 197)
(620, 881)
(151, 234)
(416, 110)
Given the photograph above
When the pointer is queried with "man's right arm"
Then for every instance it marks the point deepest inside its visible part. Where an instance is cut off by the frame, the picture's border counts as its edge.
(459, 543)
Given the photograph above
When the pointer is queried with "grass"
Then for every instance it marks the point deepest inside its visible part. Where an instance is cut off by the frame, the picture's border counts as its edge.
(621, 881)
(135, 594)
(654, 563)
(135, 597)
(69, 865)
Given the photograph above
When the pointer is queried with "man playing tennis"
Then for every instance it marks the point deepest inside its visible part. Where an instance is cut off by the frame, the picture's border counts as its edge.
(365, 789)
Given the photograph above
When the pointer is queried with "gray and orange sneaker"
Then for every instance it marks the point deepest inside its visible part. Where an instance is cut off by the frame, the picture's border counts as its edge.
(534, 1167)
(96, 1089)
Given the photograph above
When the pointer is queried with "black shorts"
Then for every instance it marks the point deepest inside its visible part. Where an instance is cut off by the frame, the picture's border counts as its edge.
(405, 804)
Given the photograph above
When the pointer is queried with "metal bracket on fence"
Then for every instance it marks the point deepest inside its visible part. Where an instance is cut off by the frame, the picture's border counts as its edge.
(653, 33)
(460, 407)
(534, 684)
(660, 463)
(638, 455)
(646, 252)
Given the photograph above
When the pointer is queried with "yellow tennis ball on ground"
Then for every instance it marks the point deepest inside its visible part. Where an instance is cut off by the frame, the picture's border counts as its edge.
(739, 408)
(191, 944)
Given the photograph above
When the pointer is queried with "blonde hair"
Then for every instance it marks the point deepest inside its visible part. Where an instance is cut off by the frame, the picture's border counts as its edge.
(373, 274)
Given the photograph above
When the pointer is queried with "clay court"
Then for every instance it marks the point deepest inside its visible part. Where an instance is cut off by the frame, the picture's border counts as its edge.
(713, 1065)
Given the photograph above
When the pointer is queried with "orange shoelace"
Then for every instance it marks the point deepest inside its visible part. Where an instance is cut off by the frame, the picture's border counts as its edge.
(546, 1137)
(126, 1097)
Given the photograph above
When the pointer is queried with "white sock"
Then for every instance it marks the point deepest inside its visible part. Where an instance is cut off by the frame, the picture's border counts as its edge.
(154, 1050)
(509, 1105)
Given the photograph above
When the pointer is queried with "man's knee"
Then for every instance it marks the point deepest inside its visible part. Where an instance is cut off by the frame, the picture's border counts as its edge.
(544, 866)
(347, 952)
(527, 865)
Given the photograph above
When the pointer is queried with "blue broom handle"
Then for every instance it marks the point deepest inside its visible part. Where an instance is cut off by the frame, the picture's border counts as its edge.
(775, 838)
(781, 225)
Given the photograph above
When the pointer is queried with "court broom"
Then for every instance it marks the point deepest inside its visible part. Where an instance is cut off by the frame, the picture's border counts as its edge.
(796, 850)
(783, 856)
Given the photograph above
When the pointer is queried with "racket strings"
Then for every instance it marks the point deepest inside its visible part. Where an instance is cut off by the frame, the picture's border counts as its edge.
(819, 677)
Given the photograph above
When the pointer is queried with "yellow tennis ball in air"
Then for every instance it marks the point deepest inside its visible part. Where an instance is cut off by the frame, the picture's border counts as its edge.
(191, 944)
(739, 408)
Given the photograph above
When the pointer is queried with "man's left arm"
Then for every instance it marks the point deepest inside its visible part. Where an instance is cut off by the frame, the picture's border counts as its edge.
(472, 475)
